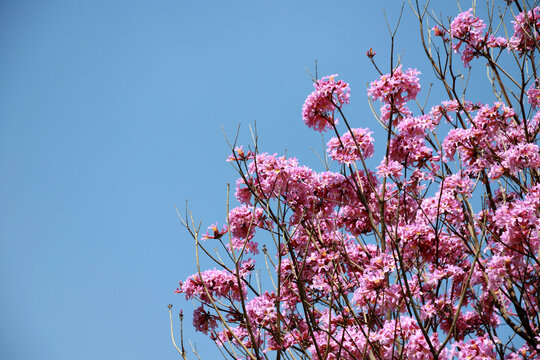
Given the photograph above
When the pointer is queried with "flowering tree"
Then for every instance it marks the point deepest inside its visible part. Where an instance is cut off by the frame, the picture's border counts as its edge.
(434, 254)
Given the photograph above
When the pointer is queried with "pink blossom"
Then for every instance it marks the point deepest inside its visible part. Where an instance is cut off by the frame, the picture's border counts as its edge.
(270, 173)
(437, 31)
(203, 321)
(242, 244)
(396, 88)
(262, 309)
(216, 233)
(409, 145)
(439, 244)
(469, 30)
(352, 146)
(397, 112)
(218, 283)
(239, 155)
(534, 94)
(320, 105)
(481, 348)
(393, 168)
(243, 193)
(243, 220)
(521, 156)
(526, 33)
(497, 42)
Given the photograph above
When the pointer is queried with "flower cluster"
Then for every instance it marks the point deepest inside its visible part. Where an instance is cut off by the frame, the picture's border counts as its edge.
(212, 284)
(396, 88)
(468, 29)
(203, 320)
(534, 94)
(243, 221)
(494, 143)
(434, 256)
(319, 108)
(352, 146)
(526, 31)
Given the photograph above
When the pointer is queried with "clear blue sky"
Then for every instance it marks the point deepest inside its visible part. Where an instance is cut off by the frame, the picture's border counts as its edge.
(111, 113)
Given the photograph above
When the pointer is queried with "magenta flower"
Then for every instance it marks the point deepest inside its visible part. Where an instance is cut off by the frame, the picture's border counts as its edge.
(534, 94)
(393, 169)
(526, 32)
(203, 321)
(243, 221)
(218, 283)
(396, 89)
(216, 233)
(320, 105)
(468, 29)
(352, 146)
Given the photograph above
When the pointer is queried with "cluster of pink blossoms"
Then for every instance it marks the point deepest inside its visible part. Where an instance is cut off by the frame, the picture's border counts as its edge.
(396, 88)
(212, 284)
(319, 108)
(352, 146)
(243, 221)
(469, 29)
(433, 256)
(526, 31)
(534, 94)
(494, 143)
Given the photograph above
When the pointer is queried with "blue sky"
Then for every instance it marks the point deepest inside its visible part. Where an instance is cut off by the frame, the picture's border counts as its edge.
(111, 113)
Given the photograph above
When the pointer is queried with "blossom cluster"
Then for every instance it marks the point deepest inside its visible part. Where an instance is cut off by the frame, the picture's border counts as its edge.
(212, 284)
(433, 256)
(354, 145)
(319, 109)
(468, 30)
(526, 31)
(396, 88)
(534, 94)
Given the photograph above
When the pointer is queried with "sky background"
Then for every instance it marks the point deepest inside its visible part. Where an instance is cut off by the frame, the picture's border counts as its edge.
(112, 112)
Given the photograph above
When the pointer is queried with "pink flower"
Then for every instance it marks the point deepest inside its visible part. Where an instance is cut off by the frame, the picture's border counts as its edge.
(244, 219)
(397, 112)
(320, 105)
(243, 193)
(438, 31)
(396, 88)
(218, 283)
(427, 310)
(352, 146)
(409, 145)
(243, 244)
(526, 32)
(534, 94)
(393, 169)
(262, 309)
(469, 30)
(270, 173)
(481, 348)
(497, 42)
(216, 233)
(239, 155)
(520, 157)
(438, 111)
(203, 321)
